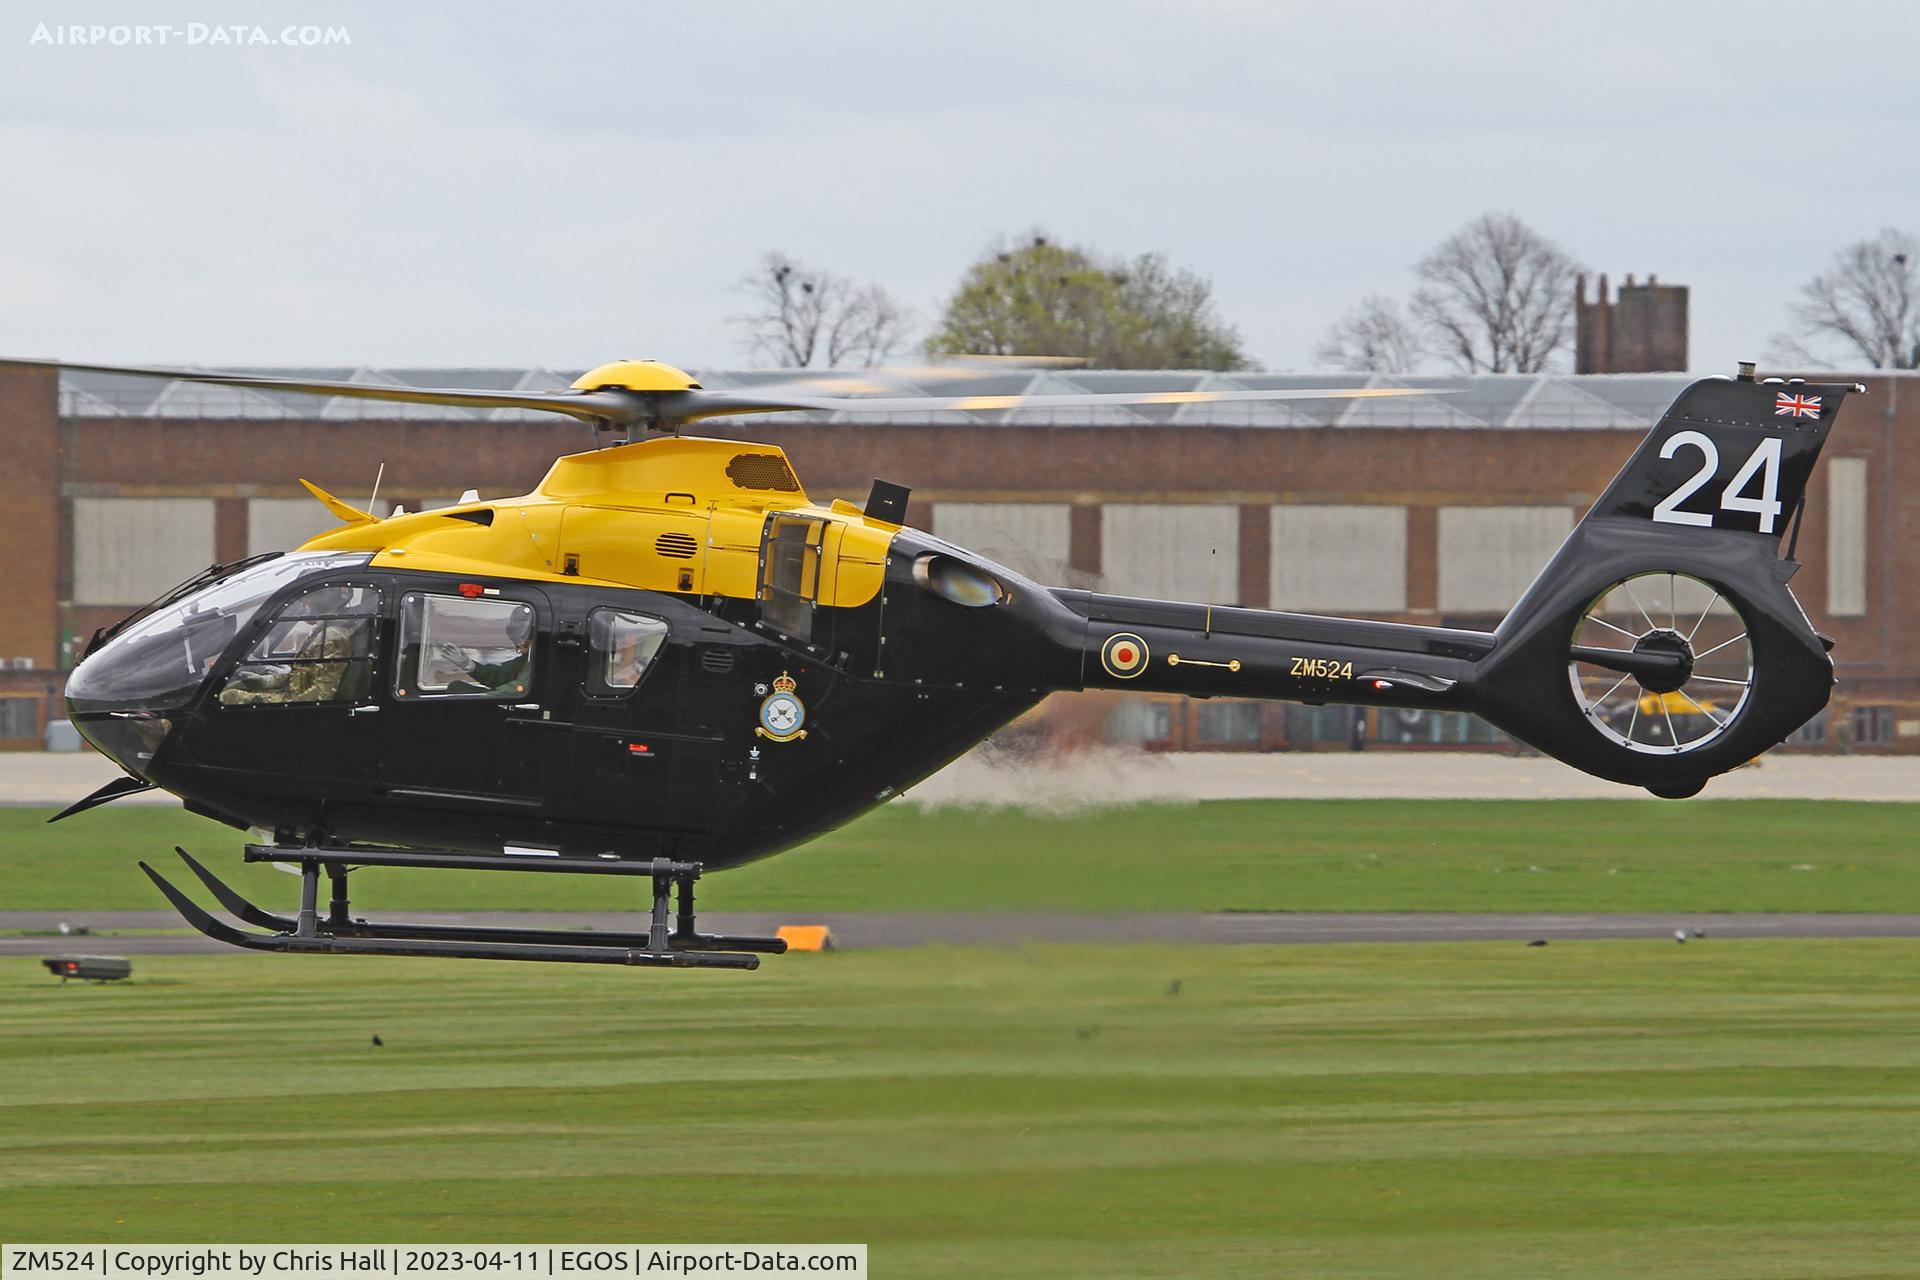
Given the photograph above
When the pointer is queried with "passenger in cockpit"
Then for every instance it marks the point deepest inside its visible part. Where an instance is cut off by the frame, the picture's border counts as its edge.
(506, 676)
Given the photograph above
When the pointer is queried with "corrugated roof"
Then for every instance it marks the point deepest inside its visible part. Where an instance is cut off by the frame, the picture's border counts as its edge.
(1549, 401)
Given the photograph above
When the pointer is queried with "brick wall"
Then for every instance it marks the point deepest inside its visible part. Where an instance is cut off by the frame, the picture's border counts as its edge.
(30, 515)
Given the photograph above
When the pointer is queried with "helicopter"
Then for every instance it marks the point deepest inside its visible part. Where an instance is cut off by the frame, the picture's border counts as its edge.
(667, 659)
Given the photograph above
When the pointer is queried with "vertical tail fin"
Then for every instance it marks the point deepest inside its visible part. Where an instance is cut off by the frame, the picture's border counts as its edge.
(1661, 645)
(1731, 455)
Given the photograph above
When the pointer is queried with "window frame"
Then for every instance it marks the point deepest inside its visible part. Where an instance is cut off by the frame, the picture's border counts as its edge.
(11, 704)
(404, 670)
(812, 544)
(1223, 722)
(269, 619)
(594, 685)
(1873, 724)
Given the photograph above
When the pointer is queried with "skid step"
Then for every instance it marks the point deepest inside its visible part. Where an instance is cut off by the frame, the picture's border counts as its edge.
(672, 941)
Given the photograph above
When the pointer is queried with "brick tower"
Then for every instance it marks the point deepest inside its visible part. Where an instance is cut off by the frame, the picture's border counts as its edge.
(1644, 330)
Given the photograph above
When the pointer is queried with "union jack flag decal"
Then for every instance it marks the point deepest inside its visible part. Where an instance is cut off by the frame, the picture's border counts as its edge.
(1795, 405)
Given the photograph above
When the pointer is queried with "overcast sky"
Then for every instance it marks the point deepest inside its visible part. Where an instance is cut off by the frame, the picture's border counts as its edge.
(562, 183)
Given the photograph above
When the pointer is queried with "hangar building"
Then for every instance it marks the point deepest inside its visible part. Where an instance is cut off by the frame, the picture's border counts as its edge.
(1432, 509)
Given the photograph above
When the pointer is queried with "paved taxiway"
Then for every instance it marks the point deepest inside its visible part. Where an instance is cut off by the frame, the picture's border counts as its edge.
(905, 929)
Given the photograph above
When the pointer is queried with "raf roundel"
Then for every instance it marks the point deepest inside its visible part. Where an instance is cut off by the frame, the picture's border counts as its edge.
(1124, 655)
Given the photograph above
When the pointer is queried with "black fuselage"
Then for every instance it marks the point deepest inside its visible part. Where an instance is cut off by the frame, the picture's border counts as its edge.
(674, 767)
(294, 695)
(682, 765)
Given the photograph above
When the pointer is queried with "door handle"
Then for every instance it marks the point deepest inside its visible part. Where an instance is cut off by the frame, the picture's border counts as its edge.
(520, 706)
(363, 711)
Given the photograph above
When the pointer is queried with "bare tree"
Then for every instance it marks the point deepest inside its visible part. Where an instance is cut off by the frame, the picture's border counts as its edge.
(801, 317)
(1496, 297)
(1374, 337)
(867, 326)
(1870, 299)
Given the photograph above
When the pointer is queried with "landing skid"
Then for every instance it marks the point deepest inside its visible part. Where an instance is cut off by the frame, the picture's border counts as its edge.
(671, 941)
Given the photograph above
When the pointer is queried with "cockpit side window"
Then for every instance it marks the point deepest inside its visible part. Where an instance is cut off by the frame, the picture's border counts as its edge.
(790, 574)
(464, 647)
(622, 647)
(159, 661)
(318, 649)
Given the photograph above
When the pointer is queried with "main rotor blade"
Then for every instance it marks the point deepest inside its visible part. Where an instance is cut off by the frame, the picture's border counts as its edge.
(898, 378)
(610, 407)
(707, 404)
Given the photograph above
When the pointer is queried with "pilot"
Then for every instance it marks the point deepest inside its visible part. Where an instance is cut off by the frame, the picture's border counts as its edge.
(320, 681)
(253, 683)
(304, 679)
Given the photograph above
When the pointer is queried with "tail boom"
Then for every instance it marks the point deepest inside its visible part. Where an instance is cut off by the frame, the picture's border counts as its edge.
(1702, 505)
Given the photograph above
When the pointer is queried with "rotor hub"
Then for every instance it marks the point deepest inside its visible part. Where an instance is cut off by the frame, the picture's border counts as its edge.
(1666, 644)
(635, 375)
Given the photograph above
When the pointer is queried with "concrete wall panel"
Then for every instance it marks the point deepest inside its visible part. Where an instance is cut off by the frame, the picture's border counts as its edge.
(1846, 537)
(126, 551)
(1163, 550)
(1033, 537)
(1340, 557)
(281, 524)
(1488, 555)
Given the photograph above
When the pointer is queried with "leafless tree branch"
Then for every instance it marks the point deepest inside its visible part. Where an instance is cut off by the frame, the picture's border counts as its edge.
(1869, 299)
(1496, 297)
(800, 316)
(1372, 338)
(867, 326)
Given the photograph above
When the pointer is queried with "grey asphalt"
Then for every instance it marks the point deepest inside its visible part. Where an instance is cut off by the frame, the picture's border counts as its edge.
(906, 929)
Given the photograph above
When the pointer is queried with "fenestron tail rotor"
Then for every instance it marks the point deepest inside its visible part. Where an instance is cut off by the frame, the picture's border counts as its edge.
(638, 396)
(1661, 663)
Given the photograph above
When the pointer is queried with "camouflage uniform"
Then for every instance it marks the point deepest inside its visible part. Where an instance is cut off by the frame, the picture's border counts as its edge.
(303, 678)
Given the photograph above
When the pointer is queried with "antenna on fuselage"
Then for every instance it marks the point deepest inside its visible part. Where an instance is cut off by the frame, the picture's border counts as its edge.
(377, 477)
(1213, 559)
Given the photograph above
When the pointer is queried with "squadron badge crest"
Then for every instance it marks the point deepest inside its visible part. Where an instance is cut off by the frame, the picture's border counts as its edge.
(783, 716)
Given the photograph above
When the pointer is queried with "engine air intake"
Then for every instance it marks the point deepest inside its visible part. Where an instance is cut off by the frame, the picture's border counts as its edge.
(767, 471)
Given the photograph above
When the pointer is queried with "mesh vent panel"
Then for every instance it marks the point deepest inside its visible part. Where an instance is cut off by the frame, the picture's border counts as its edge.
(762, 471)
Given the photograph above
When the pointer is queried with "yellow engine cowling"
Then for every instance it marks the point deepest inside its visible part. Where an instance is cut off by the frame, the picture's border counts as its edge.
(683, 515)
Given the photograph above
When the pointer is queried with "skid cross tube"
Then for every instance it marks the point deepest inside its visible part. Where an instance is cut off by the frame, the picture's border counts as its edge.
(375, 857)
(340, 934)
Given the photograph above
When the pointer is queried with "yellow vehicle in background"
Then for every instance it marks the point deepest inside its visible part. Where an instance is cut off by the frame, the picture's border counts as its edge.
(1663, 718)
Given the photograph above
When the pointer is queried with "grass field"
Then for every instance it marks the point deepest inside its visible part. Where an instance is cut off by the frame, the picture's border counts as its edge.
(1301, 855)
(1742, 1110)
